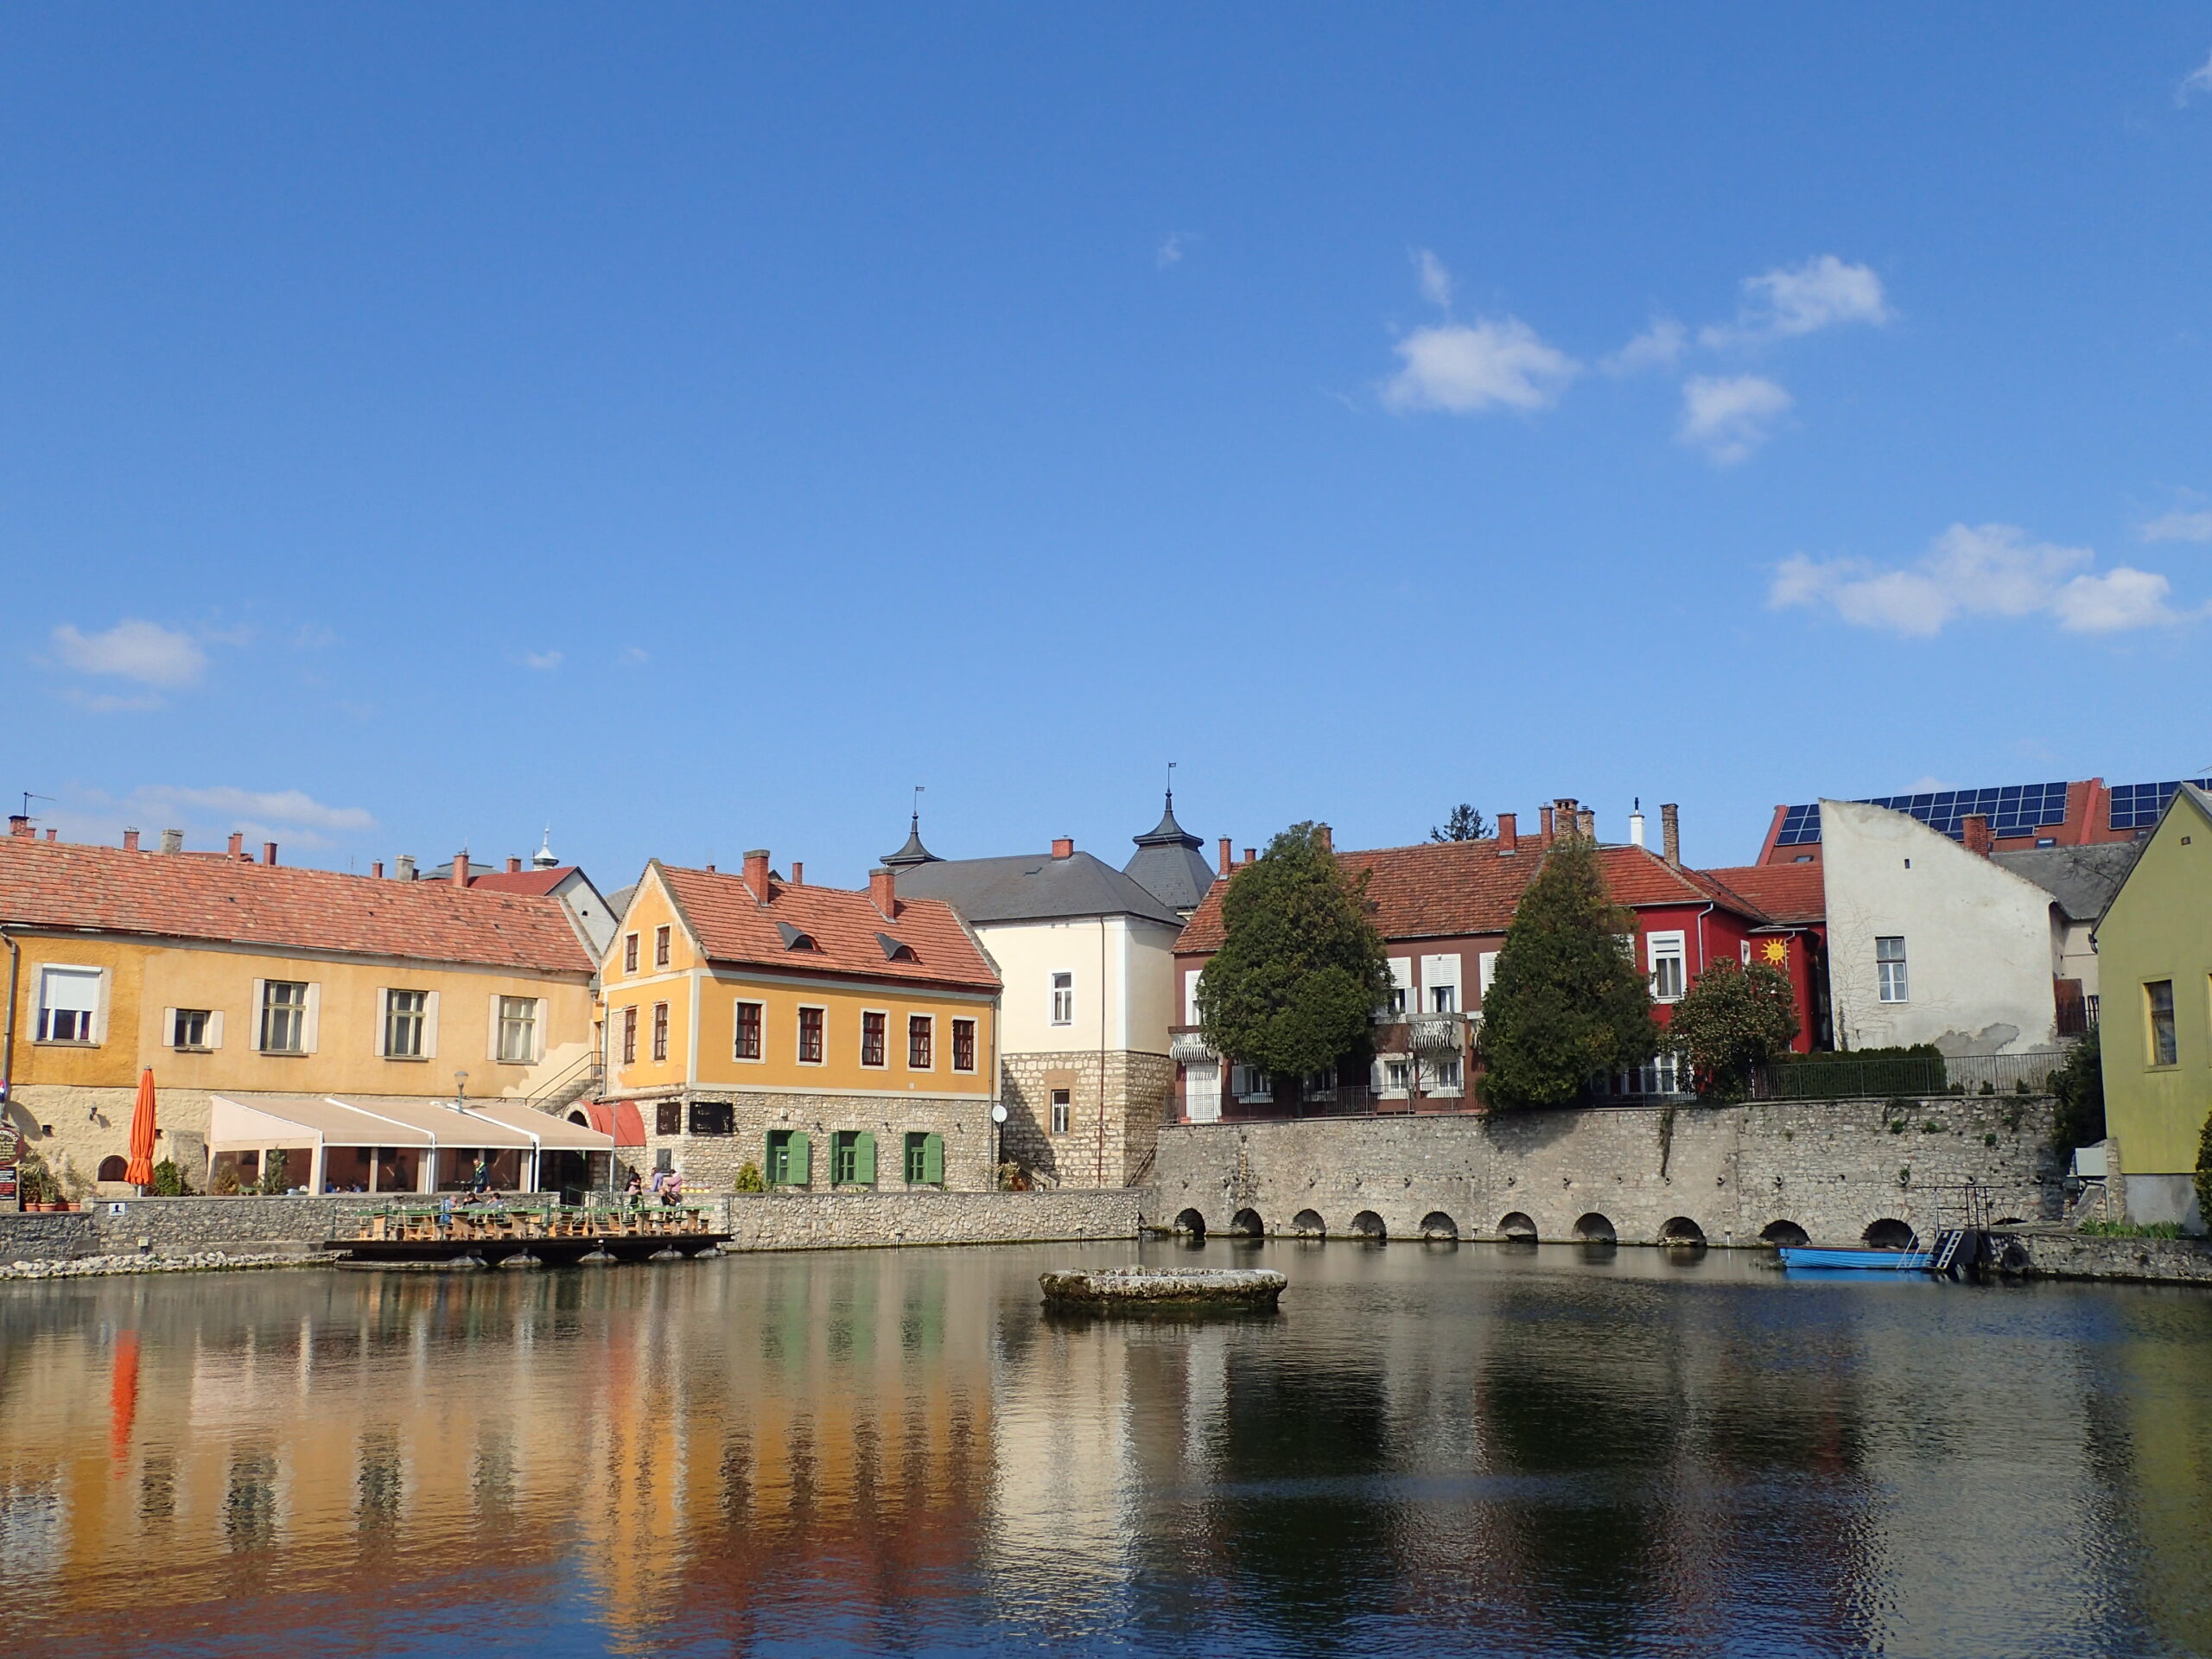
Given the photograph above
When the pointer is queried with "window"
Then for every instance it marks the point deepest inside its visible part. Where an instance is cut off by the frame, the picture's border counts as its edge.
(852, 1157)
(2159, 996)
(748, 1031)
(1063, 999)
(68, 998)
(809, 1036)
(1664, 961)
(668, 1117)
(518, 1029)
(925, 1159)
(1889, 969)
(963, 1044)
(660, 1030)
(660, 947)
(1059, 1111)
(1440, 980)
(283, 1017)
(188, 1028)
(1485, 971)
(791, 1159)
(713, 1117)
(1397, 1076)
(629, 1036)
(630, 953)
(405, 1015)
(1322, 1083)
(1444, 999)
(921, 1034)
(1444, 1075)
(873, 1027)
(1251, 1084)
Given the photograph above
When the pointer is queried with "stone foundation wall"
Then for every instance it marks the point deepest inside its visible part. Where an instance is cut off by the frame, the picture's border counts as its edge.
(709, 1163)
(822, 1221)
(182, 1226)
(2160, 1260)
(1830, 1167)
(1116, 1102)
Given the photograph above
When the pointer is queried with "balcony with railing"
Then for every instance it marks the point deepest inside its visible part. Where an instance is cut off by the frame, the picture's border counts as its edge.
(1186, 1046)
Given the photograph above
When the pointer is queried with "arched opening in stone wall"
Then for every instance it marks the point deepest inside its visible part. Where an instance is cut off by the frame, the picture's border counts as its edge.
(1781, 1233)
(577, 1116)
(2008, 1221)
(1594, 1229)
(1440, 1228)
(1518, 1229)
(1246, 1224)
(1681, 1229)
(1888, 1234)
(1308, 1223)
(1369, 1225)
(116, 1168)
(1191, 1224)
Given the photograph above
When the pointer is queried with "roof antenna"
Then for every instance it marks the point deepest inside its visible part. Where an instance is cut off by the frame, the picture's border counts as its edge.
(915, 823)
(28, 798)
(1171, 786)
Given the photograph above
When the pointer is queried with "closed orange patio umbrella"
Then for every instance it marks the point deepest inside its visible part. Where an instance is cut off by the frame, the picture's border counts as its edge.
(141, 1166)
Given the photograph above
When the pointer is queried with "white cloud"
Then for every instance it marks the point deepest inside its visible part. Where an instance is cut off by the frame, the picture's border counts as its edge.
(1730, 415)
(1170, 252)
(636, 654)
(290, 807)
(540, 659)
(1821, 293)
(1435, 280)
(1462, 369)
(2179, 525)
(1980, 570)
(1658, 347)
(2196, 80)
(132, 649)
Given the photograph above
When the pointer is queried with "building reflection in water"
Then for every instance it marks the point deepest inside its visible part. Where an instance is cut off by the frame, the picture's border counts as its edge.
(1608, 1451)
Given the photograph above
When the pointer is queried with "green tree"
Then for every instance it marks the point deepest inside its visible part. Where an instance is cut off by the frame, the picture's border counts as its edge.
(1566, 1001)
(1300, 971)
(2204, 1172)
(1732, 1021)
(1464, 824)
(2079, 1087)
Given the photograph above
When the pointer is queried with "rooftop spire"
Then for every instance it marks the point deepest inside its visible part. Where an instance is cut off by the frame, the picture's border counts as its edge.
(543, 859)
(913, 852)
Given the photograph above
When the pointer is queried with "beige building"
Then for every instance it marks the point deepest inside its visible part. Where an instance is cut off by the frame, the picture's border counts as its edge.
(254, 982)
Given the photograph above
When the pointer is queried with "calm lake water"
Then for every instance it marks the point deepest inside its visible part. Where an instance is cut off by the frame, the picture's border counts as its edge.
(1434, 1450)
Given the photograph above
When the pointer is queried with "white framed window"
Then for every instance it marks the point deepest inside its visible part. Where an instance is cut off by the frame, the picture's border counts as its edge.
(1440, 984)
(1661, 1075)
(1251, 1084)
(1445, 1077)
(69, 1005)
(194, 1030)
(1666, 960)
(1063, 999)
(406, 1022)
(1322, 1084)
(518, 1023)
(1396, 1074)
(1060, 1111)
(1190, 995)
(1485, 971)
(1401, 986)
(284, 1016)
(1889, 967)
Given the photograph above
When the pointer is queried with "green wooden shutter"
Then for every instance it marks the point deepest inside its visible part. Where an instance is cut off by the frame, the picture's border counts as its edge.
(864, 1159)
(802, 1156)
(933, 1160)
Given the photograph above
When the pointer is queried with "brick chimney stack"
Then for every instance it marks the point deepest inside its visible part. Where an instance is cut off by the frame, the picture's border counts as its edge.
(756, 873)
(238, 843)
(376, 871)
(20, 826)
(172, 841)
(1226, 865)
(269, 853)
(798, 873)
(460, 867)
(883, 891)
(54, 834)
(1586, 822)
(1063, 847)
(1324, 838)
(1251, 853)
(1981, 838)
(1544, 818)
(1509, 833)
(130, 841)
(1670, 833)
(514, 864)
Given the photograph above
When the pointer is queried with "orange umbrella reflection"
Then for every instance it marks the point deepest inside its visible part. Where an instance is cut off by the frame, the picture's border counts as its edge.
(122, 1396)
(141, 1166)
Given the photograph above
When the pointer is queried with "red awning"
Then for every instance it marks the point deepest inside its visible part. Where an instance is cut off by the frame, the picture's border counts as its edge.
(602, 1114)
(629, 1128)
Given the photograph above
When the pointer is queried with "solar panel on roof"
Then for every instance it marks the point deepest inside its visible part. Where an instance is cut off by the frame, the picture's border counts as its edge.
(2137, 806)
(2012, 810)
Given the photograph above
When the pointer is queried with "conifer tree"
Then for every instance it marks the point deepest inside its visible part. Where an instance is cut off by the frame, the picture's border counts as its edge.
(1301, 970)
(1567, 1001)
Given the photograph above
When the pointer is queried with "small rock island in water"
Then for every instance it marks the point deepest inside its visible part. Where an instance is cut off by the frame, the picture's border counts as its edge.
(1145, 1290)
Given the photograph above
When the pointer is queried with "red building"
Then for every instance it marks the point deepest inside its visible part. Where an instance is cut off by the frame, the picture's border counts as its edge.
(1443, 908)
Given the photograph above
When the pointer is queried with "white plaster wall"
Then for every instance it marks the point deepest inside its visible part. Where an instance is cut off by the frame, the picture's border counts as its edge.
(1980, 947)
(2077, 957)
(1124, 972)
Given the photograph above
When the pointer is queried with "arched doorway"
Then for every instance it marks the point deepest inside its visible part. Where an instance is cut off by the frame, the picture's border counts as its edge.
(1888, 1234)
(1191, 1224)
(1681, 1229)
(1781, 1233)
(1308, 1223)
(1436, 1227)
(116, 1168)
(1246, 1224)
(1517, 1229)
(1594, 1229)
(1369, 1225)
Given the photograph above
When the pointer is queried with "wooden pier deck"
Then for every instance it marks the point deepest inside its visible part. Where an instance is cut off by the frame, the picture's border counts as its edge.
(552, 1235)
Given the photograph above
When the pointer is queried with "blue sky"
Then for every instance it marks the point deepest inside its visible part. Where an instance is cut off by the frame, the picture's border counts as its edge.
(693, 427)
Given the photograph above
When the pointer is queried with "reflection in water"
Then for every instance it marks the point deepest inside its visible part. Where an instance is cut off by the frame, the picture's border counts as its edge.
(1465, 1450)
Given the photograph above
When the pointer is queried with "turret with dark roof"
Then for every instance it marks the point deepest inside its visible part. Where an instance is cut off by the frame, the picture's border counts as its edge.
(1168, 864)
(913, 852)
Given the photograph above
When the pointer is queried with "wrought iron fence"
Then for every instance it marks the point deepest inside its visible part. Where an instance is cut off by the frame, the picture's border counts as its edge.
(1843, 1077)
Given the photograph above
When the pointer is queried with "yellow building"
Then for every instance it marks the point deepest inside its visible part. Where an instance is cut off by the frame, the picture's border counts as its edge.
(833, 1038)
(255, 982)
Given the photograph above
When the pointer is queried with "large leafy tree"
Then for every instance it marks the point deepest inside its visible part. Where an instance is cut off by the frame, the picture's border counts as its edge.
(1301, 970)
(1465, 824)
(1733, 1020)
(1567, 1001)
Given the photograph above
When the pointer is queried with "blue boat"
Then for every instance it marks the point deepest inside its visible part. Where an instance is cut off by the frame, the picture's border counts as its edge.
(1878, 1260)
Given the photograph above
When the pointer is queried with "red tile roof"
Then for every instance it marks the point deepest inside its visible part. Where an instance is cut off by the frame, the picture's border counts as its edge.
(521, 880)
(1787, 892)
(1451, 889)
(45, 884)
(732, 926)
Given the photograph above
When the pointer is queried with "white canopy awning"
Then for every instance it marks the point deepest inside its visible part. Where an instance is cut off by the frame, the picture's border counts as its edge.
(552, 1133)
(263, 1120)
(445, 1125)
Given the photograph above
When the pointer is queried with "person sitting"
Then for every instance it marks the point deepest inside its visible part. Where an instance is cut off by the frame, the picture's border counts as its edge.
(672, 1190)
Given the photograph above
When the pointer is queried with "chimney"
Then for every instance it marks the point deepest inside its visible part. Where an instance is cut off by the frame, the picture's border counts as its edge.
(1063, 847)
(798, 873)
(1509, 833)
(172, 841)
(1544, 818)
(883, 890)
(1635, 826)
(756, 873)
(1670, 833)
(1323, 839)
(20, 826)
(54, 834)
(405, 867)
(710, 867)
(1250, 854)
(1226, 866)
(514, 864)
(1980, 838)
(238, 843)
(375, 870)
(1586, 822)
(460, 867)
(269, 853)
(130, 841)
(1565, 822)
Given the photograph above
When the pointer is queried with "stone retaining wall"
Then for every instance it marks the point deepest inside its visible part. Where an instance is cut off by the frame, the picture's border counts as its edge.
(2160, 1260)
(823, 1221)
(184, 1226)
(1829, 1167)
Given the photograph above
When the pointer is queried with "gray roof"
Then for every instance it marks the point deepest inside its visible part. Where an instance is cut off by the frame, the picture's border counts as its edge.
(1035, 888)
(1168, 864)
(2082, 878)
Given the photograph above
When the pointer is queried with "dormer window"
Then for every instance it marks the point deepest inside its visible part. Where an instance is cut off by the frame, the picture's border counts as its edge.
(894, 949)
(795, 939)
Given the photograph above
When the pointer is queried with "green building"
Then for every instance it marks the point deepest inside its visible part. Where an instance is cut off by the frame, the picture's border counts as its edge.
(2154, 954)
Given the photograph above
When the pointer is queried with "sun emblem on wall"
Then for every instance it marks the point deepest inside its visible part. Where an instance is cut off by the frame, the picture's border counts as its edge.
(1774, 953)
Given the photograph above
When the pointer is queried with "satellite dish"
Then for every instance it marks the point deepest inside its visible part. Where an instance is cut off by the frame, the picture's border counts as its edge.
(998, 1113)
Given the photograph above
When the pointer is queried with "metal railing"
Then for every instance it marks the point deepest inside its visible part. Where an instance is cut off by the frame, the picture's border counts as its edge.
(572, 1085)
(1843, 1077)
